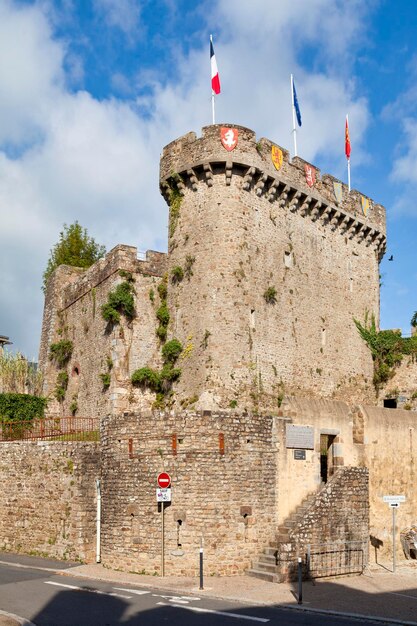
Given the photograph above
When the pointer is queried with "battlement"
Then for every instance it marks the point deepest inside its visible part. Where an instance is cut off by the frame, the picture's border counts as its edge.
(121, 257)
(325, 199)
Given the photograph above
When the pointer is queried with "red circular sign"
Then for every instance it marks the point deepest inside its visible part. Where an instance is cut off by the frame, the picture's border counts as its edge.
(164, 480)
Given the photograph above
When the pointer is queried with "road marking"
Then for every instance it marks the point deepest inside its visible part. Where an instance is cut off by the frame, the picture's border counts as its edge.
(138, 592)
(213, 612)
(88, 589)
(405, 595)
(180, 599)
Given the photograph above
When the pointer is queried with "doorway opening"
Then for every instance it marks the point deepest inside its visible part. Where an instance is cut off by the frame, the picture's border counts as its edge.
(326, 456)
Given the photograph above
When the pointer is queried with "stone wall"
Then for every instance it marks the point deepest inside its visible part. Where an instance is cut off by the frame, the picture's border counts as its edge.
(223, 468)
(338, 516)
(48, 498)
(73, 311)
(403, 385)
(248, 227)
(387, 444)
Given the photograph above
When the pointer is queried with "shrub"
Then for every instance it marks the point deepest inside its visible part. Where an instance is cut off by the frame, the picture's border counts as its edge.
(161, 332)
(119, 301)
(171, 351)
(188, 268)
(105, 379)
(61, 386)
(162, 315)
(61, 352)
(270, 295)
(170, 373)
(21, 407)
(146, 377)
(162, 290)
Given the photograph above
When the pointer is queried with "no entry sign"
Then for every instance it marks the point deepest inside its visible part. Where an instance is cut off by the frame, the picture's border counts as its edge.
(164, 480)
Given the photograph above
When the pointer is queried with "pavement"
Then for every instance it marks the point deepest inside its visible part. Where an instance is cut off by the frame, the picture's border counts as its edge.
(377, 594)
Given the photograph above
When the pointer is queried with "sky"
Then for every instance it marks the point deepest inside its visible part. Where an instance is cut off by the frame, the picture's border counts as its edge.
(91, 91)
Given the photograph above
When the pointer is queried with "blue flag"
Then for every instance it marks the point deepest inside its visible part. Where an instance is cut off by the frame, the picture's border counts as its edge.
(295, 102)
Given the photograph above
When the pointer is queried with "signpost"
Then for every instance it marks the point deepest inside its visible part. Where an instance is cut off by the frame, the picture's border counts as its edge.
(163, 494)
(394, 503)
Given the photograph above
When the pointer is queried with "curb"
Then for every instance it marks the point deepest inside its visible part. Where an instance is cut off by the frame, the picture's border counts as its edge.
(19, 621)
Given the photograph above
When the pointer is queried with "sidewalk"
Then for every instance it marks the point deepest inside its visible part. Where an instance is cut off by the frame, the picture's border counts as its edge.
(377, 593)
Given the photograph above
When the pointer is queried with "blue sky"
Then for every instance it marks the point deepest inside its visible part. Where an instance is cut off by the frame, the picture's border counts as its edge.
(91, 90)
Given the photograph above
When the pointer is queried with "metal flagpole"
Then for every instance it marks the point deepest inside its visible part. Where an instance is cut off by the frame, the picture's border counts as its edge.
(348, 157)
(294, 130)
(212, 93)
(349, 174)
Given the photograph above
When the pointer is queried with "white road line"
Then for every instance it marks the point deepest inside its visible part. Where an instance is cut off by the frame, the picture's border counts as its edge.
(138, 592)
(213, 612)
(405, 595)
(88, 589)
(177, 598)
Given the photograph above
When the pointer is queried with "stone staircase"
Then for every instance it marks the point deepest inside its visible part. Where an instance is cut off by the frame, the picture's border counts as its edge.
(276, 560)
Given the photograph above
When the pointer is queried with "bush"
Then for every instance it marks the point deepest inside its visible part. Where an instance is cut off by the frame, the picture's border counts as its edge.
(171, 351)
(21, 407)
(61, 352)
(61, 386)
(119, 301)
(163, 290)
(162, 315)
(177, 274)
(105, 379)
(170, 373)
(146, 377)
(161, 332)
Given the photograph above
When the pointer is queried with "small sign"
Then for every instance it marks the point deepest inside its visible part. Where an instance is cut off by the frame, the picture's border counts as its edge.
(163, 495)
(393, 499)
(300, 455)
(164, 480)
(301, 437)
(394, 505)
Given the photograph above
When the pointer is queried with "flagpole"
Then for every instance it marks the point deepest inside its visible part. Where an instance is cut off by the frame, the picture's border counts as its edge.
(294, 130)
(212, 93)
(348, 158)
(348, 164)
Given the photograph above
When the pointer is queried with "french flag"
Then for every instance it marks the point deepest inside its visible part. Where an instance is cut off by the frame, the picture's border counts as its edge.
(215, 80)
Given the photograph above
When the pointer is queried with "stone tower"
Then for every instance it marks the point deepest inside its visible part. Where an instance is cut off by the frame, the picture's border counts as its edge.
(275, 268)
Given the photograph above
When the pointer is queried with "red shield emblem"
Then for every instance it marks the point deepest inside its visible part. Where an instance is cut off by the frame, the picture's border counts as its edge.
(310, 175)
(229, 138)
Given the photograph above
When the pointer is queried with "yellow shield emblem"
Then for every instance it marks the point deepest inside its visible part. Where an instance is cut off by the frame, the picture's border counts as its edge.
(276, 156)
(365, 205)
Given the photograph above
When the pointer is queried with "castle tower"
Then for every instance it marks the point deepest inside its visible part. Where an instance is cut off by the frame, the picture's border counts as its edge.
(275, 268)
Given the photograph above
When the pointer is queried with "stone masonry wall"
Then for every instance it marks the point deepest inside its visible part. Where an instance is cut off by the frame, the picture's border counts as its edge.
(339, 514)
(247, 227)
(223, 490)
(73, 311)
(48, 498)
(387, 444)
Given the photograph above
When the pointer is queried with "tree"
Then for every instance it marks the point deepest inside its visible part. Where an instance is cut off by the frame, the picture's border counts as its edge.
(74, 248)
(414, 320)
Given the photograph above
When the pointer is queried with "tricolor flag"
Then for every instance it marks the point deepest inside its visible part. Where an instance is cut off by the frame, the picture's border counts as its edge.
(215, 80)
(295, 103)
(347, 139)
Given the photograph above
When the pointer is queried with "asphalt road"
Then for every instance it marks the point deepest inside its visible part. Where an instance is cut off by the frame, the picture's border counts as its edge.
(50, 599)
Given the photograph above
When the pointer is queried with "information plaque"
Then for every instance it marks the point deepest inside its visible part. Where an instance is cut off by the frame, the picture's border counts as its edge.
(301, 437)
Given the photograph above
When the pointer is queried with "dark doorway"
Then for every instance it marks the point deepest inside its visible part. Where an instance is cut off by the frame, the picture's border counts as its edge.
(390, 403)
(326, 456)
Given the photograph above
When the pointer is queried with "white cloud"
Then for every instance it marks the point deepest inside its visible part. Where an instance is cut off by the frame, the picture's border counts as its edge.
(71, 156)
(121, 14)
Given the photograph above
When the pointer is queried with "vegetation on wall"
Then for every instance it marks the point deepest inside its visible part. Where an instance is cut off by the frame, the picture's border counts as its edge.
(120, 301)
(160, 381)
(162, 313)
(188, 267)
(21, 407)
(177, 274)
(270, 295)
(18, 375)
(61, 385)
(174, 200)
(387, 347)
(74, 248)
(61, 352)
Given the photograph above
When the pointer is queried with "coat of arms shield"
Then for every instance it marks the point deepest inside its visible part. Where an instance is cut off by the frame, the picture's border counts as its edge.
(365, 205)
(276, 157)
(338, 192)
(228, 138)
(310, 174)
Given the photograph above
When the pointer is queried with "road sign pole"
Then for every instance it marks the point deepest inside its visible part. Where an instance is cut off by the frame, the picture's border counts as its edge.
(393, 539)
(162, 540)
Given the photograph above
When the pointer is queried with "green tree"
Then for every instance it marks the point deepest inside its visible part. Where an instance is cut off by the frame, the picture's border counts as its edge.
(74, 248)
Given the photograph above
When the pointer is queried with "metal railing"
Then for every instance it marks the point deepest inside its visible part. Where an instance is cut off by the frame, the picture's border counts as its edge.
(52, 428)
(336, 559)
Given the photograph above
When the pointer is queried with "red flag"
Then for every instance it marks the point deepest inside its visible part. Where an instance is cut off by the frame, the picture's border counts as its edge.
(215, 80)
(347, 139)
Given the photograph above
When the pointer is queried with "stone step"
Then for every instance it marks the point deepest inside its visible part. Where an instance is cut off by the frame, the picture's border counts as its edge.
(264, 567)
(271, 550)
(267, 558)
(269, 577)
